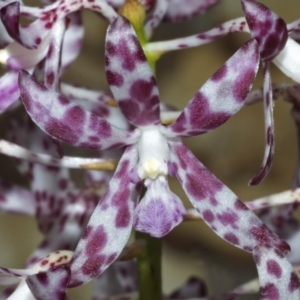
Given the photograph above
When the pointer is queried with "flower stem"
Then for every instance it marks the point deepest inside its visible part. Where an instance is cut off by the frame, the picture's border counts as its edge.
(149, 268)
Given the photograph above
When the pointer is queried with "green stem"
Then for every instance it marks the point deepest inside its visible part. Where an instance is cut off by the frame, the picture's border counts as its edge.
(149, 267)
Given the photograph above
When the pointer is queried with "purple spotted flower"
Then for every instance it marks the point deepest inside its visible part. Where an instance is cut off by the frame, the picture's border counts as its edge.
(152, 152)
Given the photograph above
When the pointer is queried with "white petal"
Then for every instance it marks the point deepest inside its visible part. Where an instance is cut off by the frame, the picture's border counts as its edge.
(288, 60)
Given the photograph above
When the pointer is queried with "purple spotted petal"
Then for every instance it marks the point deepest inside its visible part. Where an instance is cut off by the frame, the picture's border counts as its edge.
(110, 225)
(221, 96)
(50, 285)
(68, 122)
(219, 207)
(179, 10)
(9, 90)
(73, 40)
(129, 75)
(111, 114)
(124, 276)
(193, 288)
(97, 102)
(277, 278)
(269, 128)
(30, 36)
(266, 27)
(160, 210)
(16, 200)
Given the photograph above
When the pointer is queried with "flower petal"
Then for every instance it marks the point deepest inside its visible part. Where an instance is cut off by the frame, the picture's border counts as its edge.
(69, 122)
(50, 285)
(288, 60)
(220, 208)
(129, 75)
(160, 210)
(179, 10)
(266, 27)
(221, 96)
(9, 90)
(110, 225)
(269, 128)
(276, 275)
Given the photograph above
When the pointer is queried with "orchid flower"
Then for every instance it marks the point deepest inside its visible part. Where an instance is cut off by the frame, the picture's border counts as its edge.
(152, 152)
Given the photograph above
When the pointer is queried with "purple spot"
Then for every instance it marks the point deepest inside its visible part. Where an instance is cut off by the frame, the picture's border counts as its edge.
(114, 78)
(38, 40)
(228, 218)
(242, 85)
(123, 217)
(122, 169)
(231, 238)
(142, 89)
(274, 268)
(92, 267)
(50, 78)
(220, 74)
(42, 278)
(100, 126)
(96, 242)
(62, 132)
(269, 292)
(75, 116)
(239, 205)
(63, 100)
(294, 283)
(201, 116)
(208, 216)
